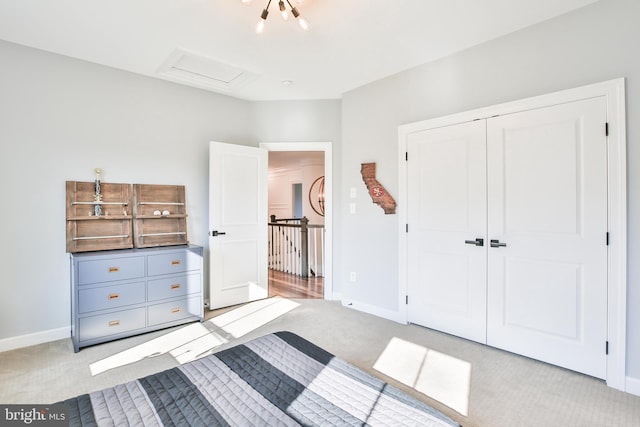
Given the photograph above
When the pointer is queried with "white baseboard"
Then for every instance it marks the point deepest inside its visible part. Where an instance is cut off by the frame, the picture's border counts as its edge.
(395, 316)
(632, 386)
(12, 343)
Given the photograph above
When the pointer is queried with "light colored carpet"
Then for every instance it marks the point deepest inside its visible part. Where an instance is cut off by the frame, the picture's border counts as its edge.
(503, 389)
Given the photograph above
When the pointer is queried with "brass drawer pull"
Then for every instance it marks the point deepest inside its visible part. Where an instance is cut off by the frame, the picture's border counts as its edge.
(114, 323)
(175, 262)
(175, 286)
(114, 269)
(113, 296)
(175, 310)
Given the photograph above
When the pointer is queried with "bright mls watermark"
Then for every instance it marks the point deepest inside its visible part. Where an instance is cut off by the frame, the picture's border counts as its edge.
(34, 415)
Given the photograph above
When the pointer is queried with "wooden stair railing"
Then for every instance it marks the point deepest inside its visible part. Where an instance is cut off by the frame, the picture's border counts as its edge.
(289, 246)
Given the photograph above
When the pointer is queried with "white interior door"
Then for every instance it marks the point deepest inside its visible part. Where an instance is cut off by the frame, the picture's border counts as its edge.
(547, 202)
(237, 224)
(447, 269)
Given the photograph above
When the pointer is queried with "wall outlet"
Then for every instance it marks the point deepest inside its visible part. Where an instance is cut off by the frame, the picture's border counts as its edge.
(352, 276)
(352, 208)
(352, 192)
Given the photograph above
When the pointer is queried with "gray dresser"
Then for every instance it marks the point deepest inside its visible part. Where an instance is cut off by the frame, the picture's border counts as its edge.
(119, 293)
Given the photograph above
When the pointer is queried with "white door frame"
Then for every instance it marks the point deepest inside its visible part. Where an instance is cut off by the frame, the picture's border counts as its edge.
(326, 147)
(614, 92)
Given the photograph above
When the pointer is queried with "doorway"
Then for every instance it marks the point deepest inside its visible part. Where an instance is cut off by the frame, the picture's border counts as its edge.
(320, 286)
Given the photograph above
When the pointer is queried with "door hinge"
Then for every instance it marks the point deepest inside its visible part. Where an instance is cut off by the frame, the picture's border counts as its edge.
(606, 129)
(606, 348)
(607, 238)
(406, 299)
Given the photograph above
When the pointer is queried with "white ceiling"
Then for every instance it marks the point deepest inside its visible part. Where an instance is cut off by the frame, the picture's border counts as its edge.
(350, 42)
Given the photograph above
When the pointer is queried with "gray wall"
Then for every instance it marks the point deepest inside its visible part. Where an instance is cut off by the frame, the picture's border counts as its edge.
(593, 44)
(60, 118)
(296, 121)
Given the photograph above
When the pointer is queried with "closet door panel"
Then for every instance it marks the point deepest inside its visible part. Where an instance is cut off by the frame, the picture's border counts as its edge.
(447, 207)
(547, 204)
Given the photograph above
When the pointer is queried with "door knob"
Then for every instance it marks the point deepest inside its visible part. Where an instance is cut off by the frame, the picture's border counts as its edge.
(496, 244)
(477, 242)
(215, 233)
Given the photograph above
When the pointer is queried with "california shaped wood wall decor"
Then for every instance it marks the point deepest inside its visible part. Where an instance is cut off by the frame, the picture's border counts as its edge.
(378, 193)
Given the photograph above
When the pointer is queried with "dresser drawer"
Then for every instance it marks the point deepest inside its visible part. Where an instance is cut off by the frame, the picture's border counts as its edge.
(175, 310)
(111, 324)
(176, 286)
(110, 297)
(175, 262)
(109, 270)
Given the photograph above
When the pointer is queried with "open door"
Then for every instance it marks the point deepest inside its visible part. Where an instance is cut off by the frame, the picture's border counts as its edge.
(237, 224)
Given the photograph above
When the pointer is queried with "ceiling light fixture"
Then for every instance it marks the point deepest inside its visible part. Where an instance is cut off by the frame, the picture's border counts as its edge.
(284, 12)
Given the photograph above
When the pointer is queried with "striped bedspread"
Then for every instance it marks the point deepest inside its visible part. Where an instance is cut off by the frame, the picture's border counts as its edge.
(275, 380)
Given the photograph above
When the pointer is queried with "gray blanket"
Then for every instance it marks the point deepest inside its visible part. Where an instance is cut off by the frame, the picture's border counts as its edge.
(276, 380)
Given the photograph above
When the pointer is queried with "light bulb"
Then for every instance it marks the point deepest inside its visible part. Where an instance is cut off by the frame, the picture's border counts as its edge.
(283, 10)
(246, 1)
(304, 24)
(261, 22)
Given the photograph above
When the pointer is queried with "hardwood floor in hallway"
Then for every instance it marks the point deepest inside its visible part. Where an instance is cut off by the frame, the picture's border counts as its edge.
(290, 286)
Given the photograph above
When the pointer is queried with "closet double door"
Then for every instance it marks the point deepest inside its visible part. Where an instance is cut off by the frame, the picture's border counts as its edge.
(507, 242)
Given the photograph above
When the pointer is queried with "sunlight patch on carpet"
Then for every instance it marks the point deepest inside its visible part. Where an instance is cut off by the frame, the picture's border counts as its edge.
(197, 340)
(437, 375)
(154, 347)
(249, 317)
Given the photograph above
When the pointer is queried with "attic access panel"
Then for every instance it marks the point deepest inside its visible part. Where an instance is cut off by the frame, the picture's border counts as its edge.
(204, 72)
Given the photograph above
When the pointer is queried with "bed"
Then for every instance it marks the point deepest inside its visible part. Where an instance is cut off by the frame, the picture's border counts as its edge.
(278, 379)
